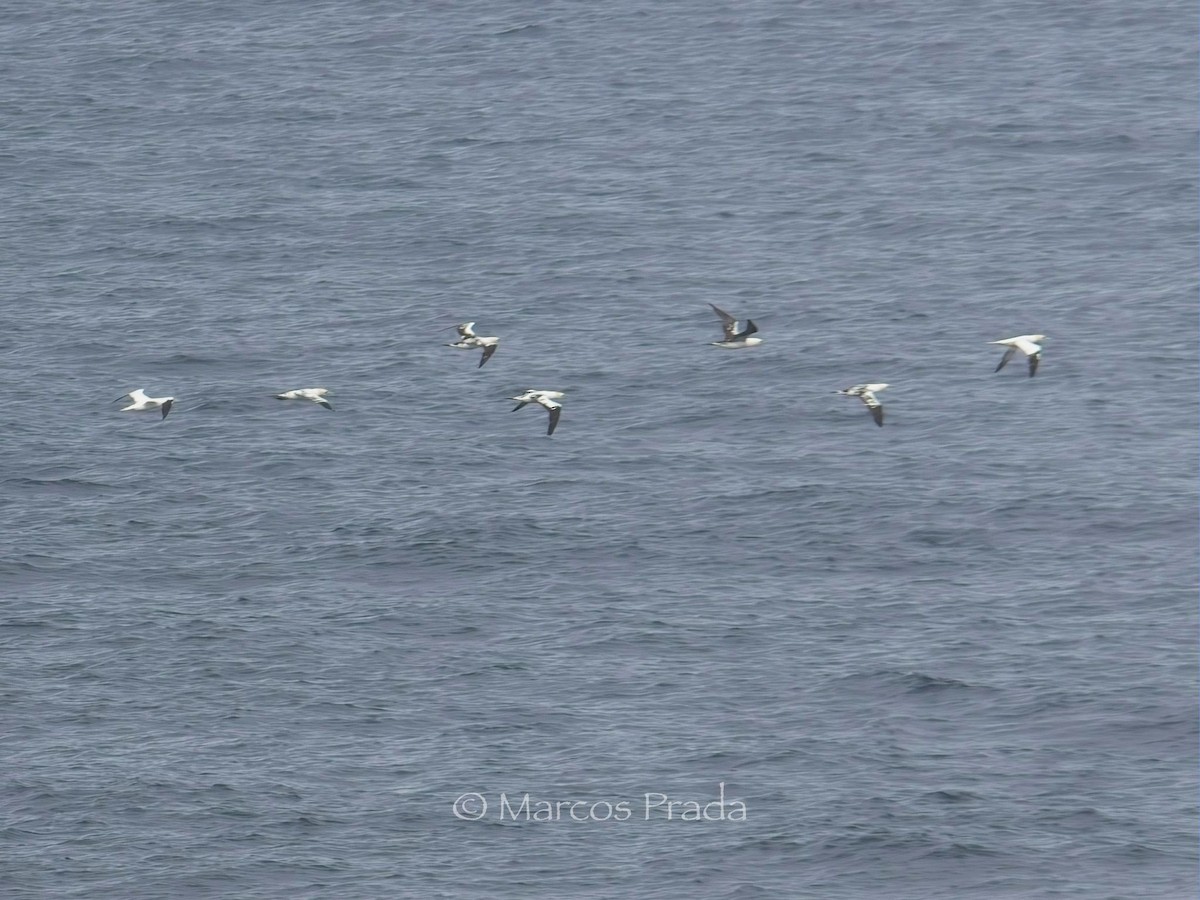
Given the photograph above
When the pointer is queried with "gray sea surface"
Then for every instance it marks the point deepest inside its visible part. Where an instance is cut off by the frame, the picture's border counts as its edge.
(258, 649)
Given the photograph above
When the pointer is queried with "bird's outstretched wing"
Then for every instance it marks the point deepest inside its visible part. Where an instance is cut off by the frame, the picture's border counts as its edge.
(487, 354)
(1008, 354)
(166, 408)
(728, 322)
(874, 406)
(1033, 363)
(554, 414)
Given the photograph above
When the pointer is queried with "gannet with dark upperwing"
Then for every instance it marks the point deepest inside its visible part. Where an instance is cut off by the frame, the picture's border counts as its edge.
(866, 393)
(734, 339)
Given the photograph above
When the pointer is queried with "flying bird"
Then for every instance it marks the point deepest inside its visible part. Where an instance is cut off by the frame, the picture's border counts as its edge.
(1027, 344)
(866, 393)
(544, 399)
(316, 395)
(469, 340)
(734, 339)
(531, 396)
(141, 402)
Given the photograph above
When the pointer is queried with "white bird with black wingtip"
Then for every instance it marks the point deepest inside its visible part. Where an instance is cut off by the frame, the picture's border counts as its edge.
(316, 395)
(866, 393)
(1029, 344)
(469, 340)
(734, 339)
(141, 401)
(544, 399)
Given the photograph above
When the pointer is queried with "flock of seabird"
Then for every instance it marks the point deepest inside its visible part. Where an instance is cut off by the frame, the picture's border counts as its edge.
(733, 338)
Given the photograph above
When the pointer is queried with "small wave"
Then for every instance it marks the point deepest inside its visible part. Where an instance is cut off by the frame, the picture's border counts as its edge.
(959, 850)
(947, 537)
(912, 682)
(919, 681)
(531, 30)
(26, 623)
(950, 796)
(61, 485)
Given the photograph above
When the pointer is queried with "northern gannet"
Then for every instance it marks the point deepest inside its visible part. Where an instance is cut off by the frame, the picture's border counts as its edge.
(1027, 344)
(141, 402)
(866, 393)
(316, 395)
(734, 339)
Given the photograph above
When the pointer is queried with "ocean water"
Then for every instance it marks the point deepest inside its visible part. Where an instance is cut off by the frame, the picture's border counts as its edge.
(262, 650)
